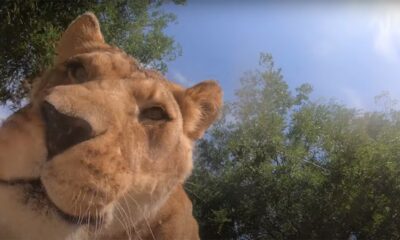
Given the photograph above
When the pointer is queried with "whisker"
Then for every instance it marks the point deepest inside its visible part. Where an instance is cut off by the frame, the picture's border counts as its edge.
(75, 201)
(80, 218)
(131, 221)
(119, 220)
(87, 210)
(124, 224)
(144, 216)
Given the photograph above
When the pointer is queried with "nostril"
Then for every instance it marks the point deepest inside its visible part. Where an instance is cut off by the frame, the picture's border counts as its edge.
(63, 131)
(48, 111)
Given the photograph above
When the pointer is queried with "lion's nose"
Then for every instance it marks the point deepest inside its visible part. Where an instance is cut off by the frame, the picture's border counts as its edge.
(63, 131)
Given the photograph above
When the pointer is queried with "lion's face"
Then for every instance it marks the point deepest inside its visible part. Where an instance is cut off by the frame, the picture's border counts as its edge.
(119, 138)
(110, 138)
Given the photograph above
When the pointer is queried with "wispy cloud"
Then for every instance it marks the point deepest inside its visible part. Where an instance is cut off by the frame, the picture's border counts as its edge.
(177, 76)
(387, 34)
(353, 98)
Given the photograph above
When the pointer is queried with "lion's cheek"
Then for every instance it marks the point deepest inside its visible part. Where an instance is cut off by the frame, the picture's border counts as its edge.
(80, 182)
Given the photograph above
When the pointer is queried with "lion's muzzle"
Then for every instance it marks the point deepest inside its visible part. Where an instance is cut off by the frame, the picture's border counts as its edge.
(88, 172)
(63, 131)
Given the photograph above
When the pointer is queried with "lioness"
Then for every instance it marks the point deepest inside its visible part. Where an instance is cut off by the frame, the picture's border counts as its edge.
(103, 148)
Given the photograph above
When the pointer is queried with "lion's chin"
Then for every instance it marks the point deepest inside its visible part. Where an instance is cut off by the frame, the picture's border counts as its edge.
(36, 193)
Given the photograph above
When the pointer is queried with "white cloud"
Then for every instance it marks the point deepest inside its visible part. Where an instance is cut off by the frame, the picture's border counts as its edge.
(180, 78)
(386, 40)
(353, 98)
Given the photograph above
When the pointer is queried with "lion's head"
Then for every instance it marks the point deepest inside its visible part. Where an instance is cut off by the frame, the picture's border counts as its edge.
(119, 138)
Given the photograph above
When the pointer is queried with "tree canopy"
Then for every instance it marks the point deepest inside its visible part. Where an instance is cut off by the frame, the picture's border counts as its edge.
(280, 166)
(276, 166)
(31, 28)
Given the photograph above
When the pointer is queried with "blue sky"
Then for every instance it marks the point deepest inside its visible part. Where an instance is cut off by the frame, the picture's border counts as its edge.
(350, 52)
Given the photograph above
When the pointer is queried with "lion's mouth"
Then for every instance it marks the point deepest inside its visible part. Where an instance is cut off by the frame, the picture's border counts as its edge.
(38, 187)
(63, 131)
(36, 196)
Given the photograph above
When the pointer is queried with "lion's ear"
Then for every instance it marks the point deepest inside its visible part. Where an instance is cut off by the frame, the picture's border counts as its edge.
(201, 107)
(83, 33)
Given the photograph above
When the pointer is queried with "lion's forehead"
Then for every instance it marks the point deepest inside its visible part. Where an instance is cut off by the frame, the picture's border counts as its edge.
(110, 62)
(110, 65)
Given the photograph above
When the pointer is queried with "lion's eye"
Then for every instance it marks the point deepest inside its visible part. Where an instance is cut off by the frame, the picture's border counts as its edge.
(155, 113)
(77, 72)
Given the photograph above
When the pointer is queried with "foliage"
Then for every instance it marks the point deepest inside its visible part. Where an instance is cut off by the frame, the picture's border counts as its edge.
(30, 29)
(280, 166)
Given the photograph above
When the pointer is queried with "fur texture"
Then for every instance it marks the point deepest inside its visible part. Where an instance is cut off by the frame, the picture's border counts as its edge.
(124, 181)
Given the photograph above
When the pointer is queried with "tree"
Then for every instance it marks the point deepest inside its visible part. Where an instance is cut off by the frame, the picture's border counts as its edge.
(280, 166)
(30, 29)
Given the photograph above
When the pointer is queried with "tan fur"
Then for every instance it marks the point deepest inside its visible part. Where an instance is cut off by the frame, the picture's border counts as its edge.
(130, 174)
